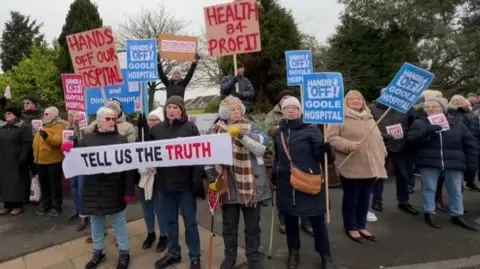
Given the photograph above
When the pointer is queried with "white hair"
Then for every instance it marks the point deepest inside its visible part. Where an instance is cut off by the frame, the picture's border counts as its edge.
(104, 111)
(176, 70)
(53, 110)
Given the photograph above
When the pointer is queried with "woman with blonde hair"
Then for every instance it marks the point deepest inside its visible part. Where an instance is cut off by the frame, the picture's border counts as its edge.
(362, 168)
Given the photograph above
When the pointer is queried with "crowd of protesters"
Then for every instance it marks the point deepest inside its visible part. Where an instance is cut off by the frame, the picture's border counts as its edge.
(439, 157)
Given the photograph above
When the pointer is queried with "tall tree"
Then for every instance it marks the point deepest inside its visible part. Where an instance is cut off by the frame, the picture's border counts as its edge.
(82, 16)
(18, 37)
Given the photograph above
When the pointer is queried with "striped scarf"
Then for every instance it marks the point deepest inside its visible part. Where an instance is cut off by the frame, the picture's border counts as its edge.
(242, 164)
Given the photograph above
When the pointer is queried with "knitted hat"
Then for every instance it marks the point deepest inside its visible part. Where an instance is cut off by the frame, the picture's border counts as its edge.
(427, 94)
(471, 94)
(31, 98)
(176, 100)
(15, 111)
(158, 112)
(291, 101)
(282, 94)
(441, 101)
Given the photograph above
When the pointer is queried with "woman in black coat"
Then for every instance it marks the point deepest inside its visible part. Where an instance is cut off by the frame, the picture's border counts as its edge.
(305, 144)
(15, 144)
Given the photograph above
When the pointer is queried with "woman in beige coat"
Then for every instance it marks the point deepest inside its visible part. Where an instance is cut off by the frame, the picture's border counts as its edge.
(364, 166)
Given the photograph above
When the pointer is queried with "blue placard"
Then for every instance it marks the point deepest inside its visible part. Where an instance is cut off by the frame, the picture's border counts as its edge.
(299, 63)
(127, 93)
(322, 96)
(142, 60)
(407, 86)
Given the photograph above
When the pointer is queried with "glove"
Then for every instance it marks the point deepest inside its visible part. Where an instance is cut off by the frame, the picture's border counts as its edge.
(43, 134)
(235, 132)
(273, 181)
(327, 148)
(387, 137)
(158, 57)
(3, 101)
(141, 122)
(74, 139)
(67, 146)
(432, 129)
(197, 57)
(128, 199)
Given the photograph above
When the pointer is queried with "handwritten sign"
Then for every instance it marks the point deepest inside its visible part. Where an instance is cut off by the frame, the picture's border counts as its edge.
(407, 86)
(441, 120)
(73, 92)
(142, 60)
(396, 131)
(322, 97)
(299, 63)
(233, 28)
(94, 56)
(178, 47)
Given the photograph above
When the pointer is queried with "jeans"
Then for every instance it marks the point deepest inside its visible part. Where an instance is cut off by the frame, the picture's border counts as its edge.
(355, 202)
(403, 164)
(320, 234)
(453, 184)
(171, 202)
(303, 220)
(231, 218)
(76, 187)
(50, 177)
(152, 208)
(119, 223)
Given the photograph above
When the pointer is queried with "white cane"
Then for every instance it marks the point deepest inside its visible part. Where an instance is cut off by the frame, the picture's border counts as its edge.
(271, 227)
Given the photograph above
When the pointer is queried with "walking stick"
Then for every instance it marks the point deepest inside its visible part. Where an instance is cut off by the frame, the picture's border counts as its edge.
(213, 198)
(271, 227)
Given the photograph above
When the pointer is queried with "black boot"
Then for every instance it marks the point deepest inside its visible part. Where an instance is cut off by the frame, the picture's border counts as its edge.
(123, 260)
(97, 259)
(162, 244)
(430, 220)
(460, 221)
(293, 259)
(327, 262)
(149, 240)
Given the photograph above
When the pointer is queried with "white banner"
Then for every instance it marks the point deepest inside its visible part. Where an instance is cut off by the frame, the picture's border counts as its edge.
(187, 151)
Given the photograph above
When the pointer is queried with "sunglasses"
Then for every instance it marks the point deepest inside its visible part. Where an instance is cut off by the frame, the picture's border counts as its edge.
(110, 119)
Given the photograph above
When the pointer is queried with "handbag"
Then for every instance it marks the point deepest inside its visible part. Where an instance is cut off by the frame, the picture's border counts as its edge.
(301, 181)
(35, 192)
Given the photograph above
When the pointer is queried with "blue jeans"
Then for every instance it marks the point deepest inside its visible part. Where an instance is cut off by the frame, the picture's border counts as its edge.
(355, 202)
(119, 223)
(76, 187)
(185, 201)
(151, 208)
(453, 184)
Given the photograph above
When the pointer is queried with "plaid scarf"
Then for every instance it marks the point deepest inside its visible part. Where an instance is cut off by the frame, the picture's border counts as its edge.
(242, 163)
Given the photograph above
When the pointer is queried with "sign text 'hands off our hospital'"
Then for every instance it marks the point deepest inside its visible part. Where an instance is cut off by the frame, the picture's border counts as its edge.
(142, 60)
(233, 28)
(407, 86)
(299, 63)
(94, 56)
(322, 96)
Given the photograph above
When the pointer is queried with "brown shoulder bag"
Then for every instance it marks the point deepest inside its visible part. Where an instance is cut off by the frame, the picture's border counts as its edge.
(301, 181)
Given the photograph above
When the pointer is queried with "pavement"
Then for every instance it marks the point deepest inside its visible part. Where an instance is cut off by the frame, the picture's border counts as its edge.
(405, 242)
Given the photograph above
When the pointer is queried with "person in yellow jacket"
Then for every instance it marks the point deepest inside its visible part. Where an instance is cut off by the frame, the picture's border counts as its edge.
(48, 157)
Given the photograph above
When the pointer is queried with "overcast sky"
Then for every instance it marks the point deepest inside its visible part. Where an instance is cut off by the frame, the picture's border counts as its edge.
(317, 18)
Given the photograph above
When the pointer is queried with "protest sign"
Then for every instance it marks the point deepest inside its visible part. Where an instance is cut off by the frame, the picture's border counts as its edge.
(37, 124)
(187, 151)
(204, 122)
(322, 97)
(299, 63)
(233, 28)
(8, 93)
(396, 131)
(94, 56)
(441, 120)
(177, 47)
(127, 93)
(142, 60)
(74, 92)
(407, 86)
(66, 134)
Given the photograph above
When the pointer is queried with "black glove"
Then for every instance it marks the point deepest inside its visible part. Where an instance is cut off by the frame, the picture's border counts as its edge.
(387, 137)
(432, 129)
(197, 57)
(43, 134)
(74, 139)
(141, 122)
(273, 180)
(3, 101)
(327, 148)
(158, 57)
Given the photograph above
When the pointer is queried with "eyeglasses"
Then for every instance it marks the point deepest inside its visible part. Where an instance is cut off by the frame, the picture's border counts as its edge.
(110, 119)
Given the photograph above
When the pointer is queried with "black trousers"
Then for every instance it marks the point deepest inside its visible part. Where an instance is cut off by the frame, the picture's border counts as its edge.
(13, 205)
(50, 176)
(320, 234)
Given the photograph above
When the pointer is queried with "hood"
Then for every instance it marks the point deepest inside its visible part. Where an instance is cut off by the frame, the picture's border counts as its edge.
(121, 118)
(364, 115)
(459, 108)
(277, 109)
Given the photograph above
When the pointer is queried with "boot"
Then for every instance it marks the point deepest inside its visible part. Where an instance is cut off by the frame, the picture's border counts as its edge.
(293, 259)
(149, 240)
(123, 260)
(327, 262)
(460, 221)
(97, 259)
(430, 220)
(162, 244)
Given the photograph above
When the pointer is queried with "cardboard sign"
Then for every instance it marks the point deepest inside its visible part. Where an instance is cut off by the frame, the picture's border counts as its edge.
(66, 134)
(74, 92)
(441, 120)
(37, 124)
(396, 131)
(233, 28)
(177, 47)
(94, 56)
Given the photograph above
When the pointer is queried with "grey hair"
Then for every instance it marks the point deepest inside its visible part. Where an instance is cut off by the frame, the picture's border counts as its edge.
(177, 70)
(103, 111)
(53, 110)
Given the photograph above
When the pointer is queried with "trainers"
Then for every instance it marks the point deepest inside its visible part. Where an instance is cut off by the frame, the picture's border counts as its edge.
(162, 244)
(97, 259)
(195, 264)
(123, 260)
(371, 217)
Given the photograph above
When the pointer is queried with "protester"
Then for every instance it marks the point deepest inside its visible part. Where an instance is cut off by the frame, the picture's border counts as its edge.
(401, 158)
(248, 183)
(3, 106)
(31, 110)
(246, 93)
(450, 153)
(305, 144)
(476, 103)
(148, 191)
(176, 187)
(176, 85)
(107, 195)
(364, 166)
(48, 157)
(472, 98)
(15, 146)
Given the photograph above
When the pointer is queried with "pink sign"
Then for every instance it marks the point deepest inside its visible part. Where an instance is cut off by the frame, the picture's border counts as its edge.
(396, 131)
(74, 92)
(441, 120)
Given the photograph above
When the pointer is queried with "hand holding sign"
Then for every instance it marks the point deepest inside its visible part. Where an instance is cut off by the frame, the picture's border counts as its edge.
(37, 124)
(356, 145)
(440, 120)
(396, 131)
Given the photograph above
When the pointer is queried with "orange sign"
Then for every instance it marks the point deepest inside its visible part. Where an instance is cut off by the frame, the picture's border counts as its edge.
(178, 47)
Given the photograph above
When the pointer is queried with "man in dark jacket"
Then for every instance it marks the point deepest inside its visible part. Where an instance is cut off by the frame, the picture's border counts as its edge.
(246, 93)
(176, 187)
(176, 85)
(397, 153)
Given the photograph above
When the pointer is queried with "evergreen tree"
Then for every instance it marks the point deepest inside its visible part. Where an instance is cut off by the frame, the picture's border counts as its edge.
(82, 16)
(18, 37)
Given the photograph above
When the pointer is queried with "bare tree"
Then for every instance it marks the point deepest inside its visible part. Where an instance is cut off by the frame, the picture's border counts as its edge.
(210, 67)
